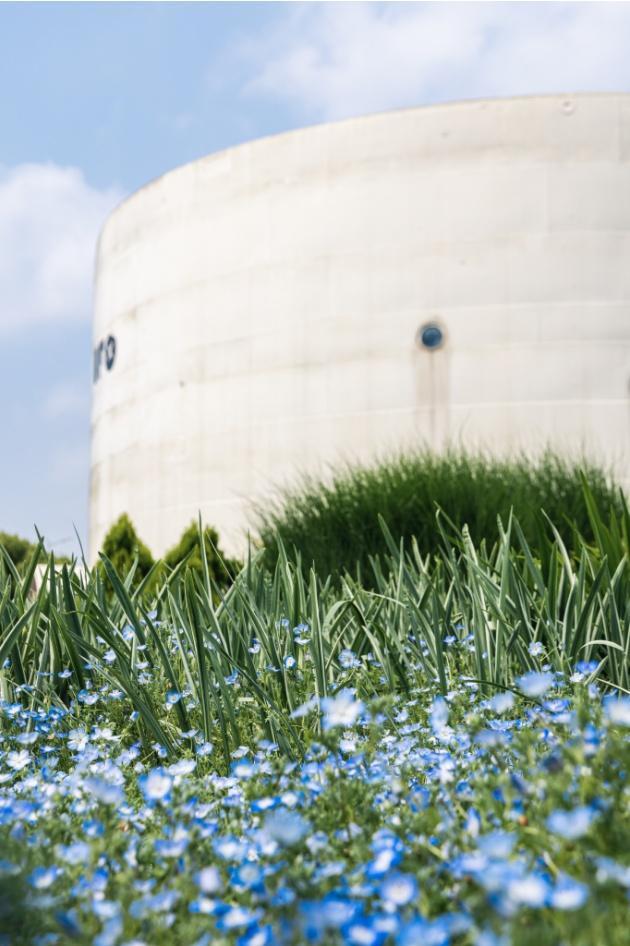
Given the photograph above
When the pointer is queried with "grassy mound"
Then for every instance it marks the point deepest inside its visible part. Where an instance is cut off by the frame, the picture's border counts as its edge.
(335, 526)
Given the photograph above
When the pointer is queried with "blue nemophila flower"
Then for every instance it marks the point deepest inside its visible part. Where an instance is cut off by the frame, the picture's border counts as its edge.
(183, 767)
(332, 912)
(76, 853)
(388, 852)
(111, 932)
(244, 768)
(497, 844)
(289, 662)
(348, 660)
(88, 698)
(364, 932)
(341, 710)
(92, 828)
(43, 877)
(291, 799)
(106, 791)
(610, 870)
(174, 846)
(106, 909)
(571, 824)
(419, 798)
(264, 804)
(535, 683)
(317, 842)
(568, 894)
(229, 848)
(156, 785)
(241, 752)
(256, 936)
(208, 879)
(69, 922)
(204, 748)
(502, 702)
(583, 669)
(236, 917)
(248, 876)
(286, 827)
(438, 717)
(160, 902)
(617, 710)
(528, 890)
(305, 708)
(18, 760)
(206, 906)
(78, 740)
(398, 889)
(491, 738)
(553, 762)
(535, 648)
(473, 823)
(442, 930)
(299, 634)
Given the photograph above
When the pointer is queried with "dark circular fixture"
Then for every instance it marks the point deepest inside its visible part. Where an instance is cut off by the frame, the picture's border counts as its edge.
(431, 336)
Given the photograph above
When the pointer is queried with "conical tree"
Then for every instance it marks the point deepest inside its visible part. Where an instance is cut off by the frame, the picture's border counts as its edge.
(122, 546)
(221, 568)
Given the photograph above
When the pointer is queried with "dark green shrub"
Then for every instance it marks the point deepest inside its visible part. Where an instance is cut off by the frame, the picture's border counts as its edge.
(122, 547)
(221, 569)
(20, 550)
(335, 525)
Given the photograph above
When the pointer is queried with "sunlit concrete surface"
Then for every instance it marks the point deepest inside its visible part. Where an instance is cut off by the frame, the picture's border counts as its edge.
(264, 305)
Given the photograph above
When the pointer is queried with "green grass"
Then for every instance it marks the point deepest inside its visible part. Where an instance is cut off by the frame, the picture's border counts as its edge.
(335, 526)
(491, 602)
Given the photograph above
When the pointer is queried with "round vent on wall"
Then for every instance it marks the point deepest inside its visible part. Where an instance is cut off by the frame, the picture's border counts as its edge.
(430, 336)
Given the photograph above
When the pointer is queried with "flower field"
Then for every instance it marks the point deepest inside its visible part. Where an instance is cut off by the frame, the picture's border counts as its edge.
(441, 760)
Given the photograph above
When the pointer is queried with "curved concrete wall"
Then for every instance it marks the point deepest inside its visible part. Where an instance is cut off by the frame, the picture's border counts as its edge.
(257, 311)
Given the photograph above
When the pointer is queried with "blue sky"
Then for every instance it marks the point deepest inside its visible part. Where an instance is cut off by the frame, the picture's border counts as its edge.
(100, 98)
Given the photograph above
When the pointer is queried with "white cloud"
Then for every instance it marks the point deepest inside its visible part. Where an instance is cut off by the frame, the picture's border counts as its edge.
(49, 222)
(335, 60)
(66, 399)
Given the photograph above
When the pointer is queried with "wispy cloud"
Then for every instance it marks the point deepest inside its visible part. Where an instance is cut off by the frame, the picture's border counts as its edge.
(334, 60)
(66, 399)
(49, 222)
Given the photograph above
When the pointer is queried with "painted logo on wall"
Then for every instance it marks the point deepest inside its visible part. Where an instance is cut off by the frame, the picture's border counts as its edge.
(104, 356)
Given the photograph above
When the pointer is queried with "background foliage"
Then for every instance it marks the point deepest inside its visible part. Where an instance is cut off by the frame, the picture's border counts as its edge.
(335, 526)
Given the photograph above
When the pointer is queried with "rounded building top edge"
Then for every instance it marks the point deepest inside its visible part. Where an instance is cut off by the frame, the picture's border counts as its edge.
(354, 119)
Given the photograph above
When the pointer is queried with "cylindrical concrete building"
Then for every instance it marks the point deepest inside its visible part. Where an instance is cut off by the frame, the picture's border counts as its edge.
(456, 273)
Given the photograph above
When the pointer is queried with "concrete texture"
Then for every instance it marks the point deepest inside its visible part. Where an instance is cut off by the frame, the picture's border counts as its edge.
(265, 303)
